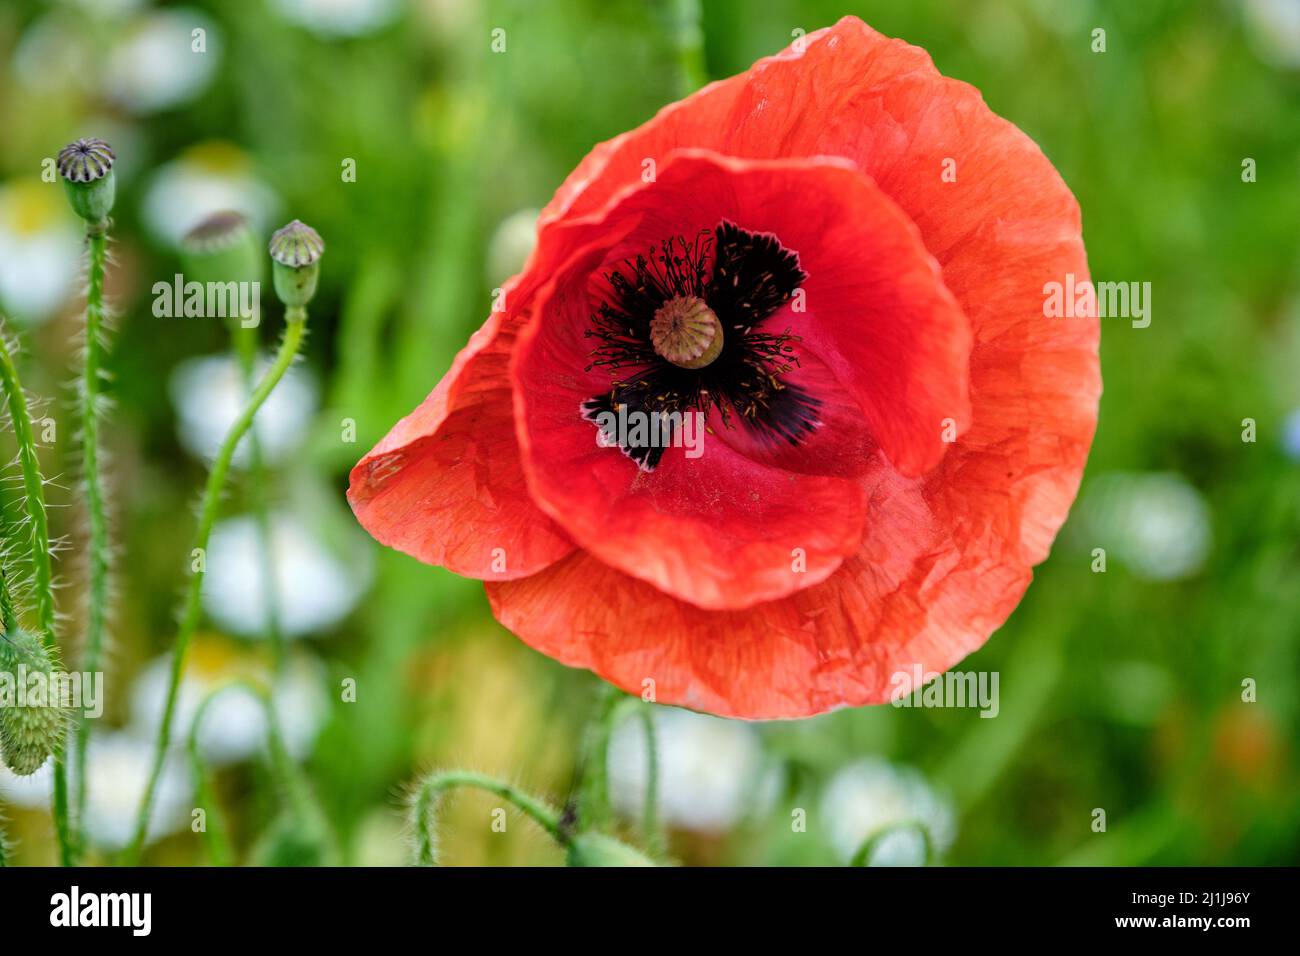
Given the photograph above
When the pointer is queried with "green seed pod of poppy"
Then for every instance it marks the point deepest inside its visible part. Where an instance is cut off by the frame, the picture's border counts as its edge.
(596, 849)
(295, 263)
(87, 170)
(222, 248)
(30, 729)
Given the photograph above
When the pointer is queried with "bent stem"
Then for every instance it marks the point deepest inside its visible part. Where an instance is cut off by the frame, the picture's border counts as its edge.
(296, 322)
(34, 487)
(99, 548)
(282, 767)
(429, 795)
(869, 845)
(214, 833)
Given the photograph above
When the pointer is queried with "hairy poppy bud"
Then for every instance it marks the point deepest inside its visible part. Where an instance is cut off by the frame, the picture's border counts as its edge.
(87, 170)
(295, 262)
(30, 729)
(595, 849)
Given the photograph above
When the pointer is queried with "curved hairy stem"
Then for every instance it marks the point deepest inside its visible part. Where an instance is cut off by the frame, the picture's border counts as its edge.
(99, 546)
(296, 323)
(429, 794)
(34, 488)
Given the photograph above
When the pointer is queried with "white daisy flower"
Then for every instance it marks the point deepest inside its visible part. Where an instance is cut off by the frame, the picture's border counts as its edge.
(207, 178)
(209, 393)
(711, 770)
(876, 799)
(1273, 27)
(1156, 523)
(234, 726)
(339, 17)
(40, 250)
(164, 58)
(117, 766)
(314, 587)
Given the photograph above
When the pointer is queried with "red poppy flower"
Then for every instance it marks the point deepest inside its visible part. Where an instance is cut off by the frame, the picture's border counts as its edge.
(836, 262)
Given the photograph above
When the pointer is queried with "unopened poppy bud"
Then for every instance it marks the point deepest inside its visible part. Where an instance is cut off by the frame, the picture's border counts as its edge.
(31, 729)
(595, 849)
(87, 170)
(295, 262)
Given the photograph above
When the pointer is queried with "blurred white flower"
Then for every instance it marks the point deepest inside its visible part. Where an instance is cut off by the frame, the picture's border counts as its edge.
(209, 394)
(314, 587)
(40, 250)
(1156, 523)
(1291, 435)
(339, 17)
(234, 726)
(31, 792)
(117, 766)
(511, 244)
(711, 770)
(155, 64)
(1273, 27)
(873, 797)
(207, 178)
(51, 54)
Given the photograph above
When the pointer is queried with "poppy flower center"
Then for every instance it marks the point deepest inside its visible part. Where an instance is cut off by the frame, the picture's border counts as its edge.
(686, 332)
(682, 330)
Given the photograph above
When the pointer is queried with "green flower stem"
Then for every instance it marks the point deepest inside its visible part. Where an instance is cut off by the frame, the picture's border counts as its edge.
(864, 852)
(593, 787)
(214, 834)
(246, 349)
(8, 615)
(282, 767)
(654, 840)
(296, 320)
(688, 43)
(34, 486)
(99, 547)
(430, 794)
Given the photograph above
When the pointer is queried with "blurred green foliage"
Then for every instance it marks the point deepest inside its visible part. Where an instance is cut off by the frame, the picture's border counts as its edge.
(1118, 692)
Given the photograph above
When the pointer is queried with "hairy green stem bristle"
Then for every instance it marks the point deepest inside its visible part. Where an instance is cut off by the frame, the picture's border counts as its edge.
(428, 795)
(42, 586)
(293, 335)
(99, 553)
